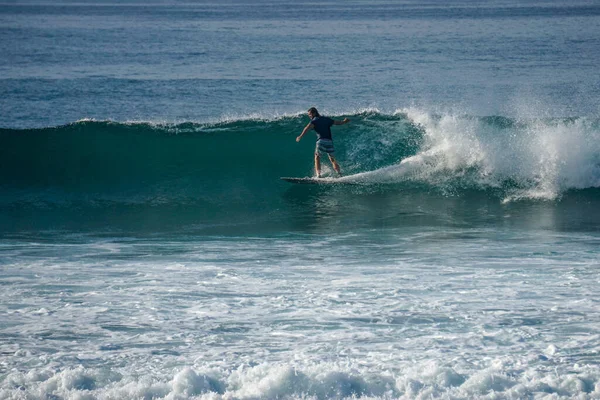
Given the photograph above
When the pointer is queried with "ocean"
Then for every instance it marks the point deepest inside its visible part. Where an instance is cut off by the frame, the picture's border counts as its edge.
(150, 250)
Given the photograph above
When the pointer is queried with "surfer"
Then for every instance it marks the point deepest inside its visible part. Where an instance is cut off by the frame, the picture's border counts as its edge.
(322, 125)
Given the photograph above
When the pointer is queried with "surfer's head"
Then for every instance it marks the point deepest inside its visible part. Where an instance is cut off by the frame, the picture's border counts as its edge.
(313, 113)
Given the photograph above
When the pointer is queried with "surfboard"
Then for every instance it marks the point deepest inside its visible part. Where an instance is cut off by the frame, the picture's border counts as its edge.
(310, 181)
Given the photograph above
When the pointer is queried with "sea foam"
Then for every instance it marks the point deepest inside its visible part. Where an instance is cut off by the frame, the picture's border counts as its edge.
(525, 159)
(500, 380)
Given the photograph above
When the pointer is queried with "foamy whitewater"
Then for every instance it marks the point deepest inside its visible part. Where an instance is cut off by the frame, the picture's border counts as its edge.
(150, 250)
(543, 158)
(162, 319)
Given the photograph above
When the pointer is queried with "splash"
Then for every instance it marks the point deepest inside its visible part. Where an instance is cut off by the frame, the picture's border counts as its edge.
(537, 159)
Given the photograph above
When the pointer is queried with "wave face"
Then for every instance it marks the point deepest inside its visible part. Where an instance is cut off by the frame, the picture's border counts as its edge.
(234, 166)
(143, 162)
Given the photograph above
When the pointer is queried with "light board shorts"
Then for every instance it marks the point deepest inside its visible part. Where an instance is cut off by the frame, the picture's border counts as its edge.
(324, 146)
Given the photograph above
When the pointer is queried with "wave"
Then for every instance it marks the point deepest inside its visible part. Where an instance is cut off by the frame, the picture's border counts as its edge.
(518, 159)
(241, 160)
(321, 381)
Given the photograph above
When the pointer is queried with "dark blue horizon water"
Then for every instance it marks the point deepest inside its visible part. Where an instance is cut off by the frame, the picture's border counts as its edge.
(182, 61)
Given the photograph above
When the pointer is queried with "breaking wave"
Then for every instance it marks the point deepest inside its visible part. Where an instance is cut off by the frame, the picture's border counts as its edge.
(241, 160)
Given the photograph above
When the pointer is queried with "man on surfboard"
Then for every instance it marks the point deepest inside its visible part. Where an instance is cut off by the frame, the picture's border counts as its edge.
(322, 125)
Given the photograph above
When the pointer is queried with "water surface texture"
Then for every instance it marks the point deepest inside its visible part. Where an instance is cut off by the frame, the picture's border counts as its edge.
(149, 250)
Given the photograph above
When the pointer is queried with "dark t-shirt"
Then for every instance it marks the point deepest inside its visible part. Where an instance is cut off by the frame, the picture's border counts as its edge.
(322, 127)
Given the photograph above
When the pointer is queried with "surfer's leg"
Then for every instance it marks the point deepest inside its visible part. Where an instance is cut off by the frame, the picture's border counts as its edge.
(318, 165)
(336, 166)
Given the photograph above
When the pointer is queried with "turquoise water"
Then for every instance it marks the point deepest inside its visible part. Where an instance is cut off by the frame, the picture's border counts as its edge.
(406, 168)
(148, 248)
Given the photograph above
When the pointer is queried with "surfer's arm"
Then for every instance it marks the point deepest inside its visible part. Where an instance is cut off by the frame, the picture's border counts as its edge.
(306, 129)
(345, 121)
